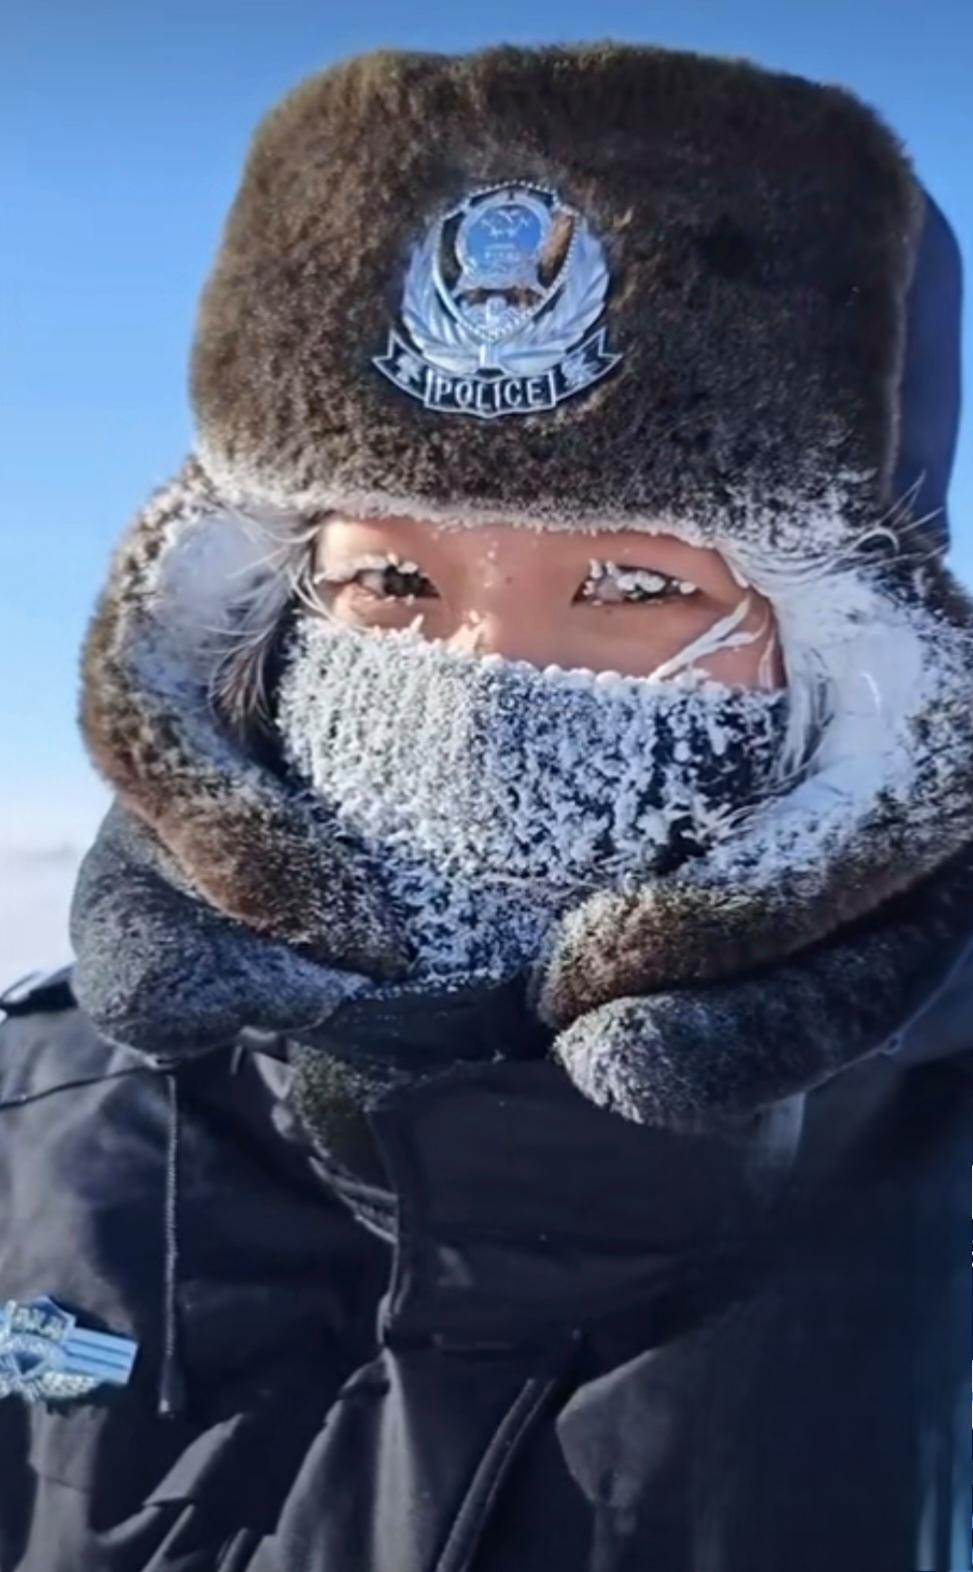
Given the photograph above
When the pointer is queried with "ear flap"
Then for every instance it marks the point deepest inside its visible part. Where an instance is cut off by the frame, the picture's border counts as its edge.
(255, 853)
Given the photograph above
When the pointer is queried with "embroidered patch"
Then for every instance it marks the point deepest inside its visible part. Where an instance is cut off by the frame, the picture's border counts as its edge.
(496, 304)
(46, 1356)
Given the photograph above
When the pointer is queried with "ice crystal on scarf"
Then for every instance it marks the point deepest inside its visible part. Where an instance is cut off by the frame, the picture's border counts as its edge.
(490, 795)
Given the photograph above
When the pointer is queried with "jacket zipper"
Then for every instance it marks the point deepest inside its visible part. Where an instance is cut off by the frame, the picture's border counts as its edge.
(467, 1529)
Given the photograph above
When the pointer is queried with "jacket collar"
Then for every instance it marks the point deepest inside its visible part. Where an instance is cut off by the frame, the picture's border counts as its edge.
(519, 1203)
(500, 1157)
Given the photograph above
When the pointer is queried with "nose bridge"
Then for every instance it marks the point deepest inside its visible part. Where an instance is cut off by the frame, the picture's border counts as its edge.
(489, 630)
(493, 585)
(493, 618)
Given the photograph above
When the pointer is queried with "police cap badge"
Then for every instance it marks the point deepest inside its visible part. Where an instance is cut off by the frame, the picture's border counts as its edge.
(498, 298)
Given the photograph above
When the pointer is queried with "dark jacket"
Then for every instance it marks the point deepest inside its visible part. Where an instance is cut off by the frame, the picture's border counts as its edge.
(556, 1341)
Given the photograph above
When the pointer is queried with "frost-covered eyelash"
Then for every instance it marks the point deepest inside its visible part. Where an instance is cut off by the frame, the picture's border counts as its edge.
(366, 562)
(625, 579)
(621, 580)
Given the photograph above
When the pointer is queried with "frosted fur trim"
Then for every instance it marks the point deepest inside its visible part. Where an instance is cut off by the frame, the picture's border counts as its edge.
(878, 648)
(237, 839)
(238, 485)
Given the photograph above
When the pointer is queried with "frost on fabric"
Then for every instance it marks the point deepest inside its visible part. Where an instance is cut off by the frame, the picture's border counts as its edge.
(491, 795)
(886, 669)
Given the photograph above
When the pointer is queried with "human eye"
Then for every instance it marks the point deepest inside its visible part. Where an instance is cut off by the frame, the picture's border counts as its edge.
(609, 583)
(383, 577)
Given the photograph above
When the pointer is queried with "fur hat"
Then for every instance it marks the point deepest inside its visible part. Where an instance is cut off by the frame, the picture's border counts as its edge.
(724, 267)
(759, 234)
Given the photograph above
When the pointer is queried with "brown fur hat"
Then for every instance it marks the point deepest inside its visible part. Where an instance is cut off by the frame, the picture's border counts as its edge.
(748, 239)
(759, 233)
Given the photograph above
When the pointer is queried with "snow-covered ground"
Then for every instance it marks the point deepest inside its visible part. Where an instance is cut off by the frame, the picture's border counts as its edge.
(46, 829)
(35, 892)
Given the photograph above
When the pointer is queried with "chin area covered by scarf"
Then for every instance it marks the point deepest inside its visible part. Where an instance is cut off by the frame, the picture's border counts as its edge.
(489, 796)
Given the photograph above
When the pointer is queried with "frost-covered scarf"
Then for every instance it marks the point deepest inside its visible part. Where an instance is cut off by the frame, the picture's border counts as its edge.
(489, 796)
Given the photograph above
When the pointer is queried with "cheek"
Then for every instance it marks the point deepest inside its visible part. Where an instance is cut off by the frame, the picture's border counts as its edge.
(638, 641)
(635, 640)
(350, 604)
(336, 603)
(758, 664)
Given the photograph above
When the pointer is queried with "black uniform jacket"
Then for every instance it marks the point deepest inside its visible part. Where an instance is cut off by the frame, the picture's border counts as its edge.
(554, 1341)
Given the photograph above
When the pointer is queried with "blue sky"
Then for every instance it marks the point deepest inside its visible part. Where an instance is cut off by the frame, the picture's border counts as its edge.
(126, 126)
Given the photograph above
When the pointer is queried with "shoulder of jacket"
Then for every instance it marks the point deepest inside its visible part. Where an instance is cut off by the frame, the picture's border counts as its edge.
(39, 993)
(46, 1037)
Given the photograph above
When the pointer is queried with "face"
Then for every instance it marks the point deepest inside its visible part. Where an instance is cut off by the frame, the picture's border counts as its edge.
(609, 600)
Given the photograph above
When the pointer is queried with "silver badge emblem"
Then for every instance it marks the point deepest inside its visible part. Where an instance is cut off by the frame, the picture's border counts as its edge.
(497, 302)
(45, 1355)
